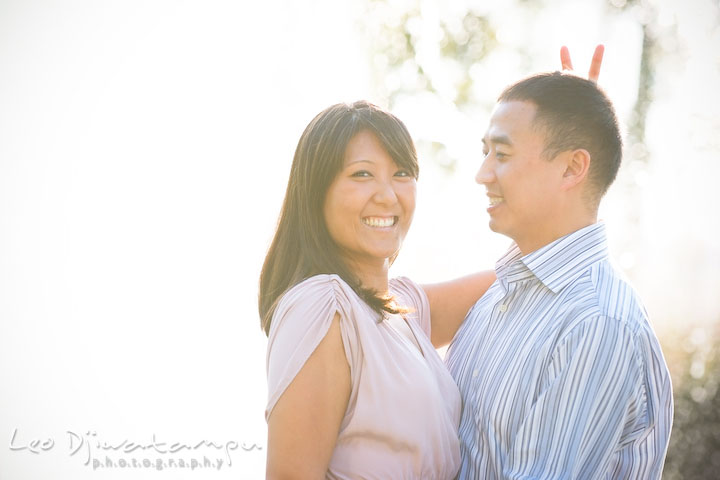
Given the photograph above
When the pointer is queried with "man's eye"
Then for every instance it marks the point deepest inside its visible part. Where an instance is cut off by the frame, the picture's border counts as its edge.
(361, 173)
(500, 155)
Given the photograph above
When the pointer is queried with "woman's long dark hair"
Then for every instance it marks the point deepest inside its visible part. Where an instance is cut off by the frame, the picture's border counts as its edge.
(302, 246)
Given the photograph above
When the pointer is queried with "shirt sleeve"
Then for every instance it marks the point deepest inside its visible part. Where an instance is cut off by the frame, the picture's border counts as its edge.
(592, 399)
(301, 320)
(410, 294)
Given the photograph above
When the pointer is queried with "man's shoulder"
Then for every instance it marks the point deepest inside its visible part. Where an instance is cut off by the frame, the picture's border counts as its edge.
(606, 292)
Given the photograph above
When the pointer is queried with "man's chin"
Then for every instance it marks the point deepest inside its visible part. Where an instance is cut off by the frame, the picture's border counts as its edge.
(495, 227)
(498, 228)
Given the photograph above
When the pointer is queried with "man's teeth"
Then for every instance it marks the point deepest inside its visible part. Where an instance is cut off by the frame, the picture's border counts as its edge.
(495, 201)
(379, 221)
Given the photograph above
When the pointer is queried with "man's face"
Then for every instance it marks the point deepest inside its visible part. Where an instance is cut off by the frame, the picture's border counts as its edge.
(523, 186)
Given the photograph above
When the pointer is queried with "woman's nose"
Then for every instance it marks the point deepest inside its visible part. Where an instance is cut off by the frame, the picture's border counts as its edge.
(385, 193)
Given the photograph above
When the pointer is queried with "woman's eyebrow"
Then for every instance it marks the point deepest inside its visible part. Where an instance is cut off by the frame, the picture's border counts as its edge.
(358, 161)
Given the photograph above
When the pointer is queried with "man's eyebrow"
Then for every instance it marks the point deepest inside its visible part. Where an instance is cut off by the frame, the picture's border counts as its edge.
(502, 139)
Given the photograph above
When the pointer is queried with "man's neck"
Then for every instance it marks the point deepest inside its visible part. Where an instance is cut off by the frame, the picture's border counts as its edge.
(529, 245)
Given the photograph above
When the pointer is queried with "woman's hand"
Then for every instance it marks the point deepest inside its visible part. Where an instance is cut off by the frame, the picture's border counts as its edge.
(595, 64)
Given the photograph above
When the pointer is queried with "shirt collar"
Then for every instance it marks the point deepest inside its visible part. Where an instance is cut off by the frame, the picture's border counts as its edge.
(558, 263)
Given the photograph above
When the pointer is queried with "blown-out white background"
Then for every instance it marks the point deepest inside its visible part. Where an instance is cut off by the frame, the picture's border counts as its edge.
(144, 150)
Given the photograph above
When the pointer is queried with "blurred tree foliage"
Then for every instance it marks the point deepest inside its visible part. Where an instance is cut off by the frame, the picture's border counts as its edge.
(658, 41)
(406, 40)
(694, 361)
(409, 42)
(646, 15)
(419, 50)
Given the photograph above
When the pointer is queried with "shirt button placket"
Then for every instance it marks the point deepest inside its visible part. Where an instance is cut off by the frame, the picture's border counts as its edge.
(502, 308)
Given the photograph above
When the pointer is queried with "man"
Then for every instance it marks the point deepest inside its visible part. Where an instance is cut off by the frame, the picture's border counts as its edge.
(560, 373)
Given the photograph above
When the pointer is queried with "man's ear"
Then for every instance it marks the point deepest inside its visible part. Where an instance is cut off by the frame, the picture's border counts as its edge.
(577, 167)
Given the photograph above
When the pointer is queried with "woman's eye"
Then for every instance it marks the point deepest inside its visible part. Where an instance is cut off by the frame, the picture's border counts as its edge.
(403, 173)
(361, 173)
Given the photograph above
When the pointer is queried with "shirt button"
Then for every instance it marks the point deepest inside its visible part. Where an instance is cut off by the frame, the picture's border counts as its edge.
(475, 373)
(503, 308)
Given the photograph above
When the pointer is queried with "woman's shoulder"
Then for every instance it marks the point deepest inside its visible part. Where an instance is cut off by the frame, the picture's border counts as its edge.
(313, 288)
(332, 285)
(403, 281)
(410, 294)
(316, 294)
(321, 280)
(408, 291)
(301, 320)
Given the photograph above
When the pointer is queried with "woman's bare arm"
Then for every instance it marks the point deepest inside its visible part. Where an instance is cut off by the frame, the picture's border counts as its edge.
(304, 425)
(450, 302)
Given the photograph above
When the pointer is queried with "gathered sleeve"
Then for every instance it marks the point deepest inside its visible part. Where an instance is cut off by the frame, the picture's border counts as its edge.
(300, 322)
(410, 294)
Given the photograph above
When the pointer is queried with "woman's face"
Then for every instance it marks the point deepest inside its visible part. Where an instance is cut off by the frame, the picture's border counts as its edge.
(370, 204)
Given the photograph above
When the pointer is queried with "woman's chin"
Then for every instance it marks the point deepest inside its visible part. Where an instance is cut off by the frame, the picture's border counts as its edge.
(376, 257)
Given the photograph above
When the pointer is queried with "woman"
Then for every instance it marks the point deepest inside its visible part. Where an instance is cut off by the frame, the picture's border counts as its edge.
(356, 389)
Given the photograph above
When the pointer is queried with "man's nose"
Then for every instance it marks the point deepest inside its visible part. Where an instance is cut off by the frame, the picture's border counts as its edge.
(484, 174)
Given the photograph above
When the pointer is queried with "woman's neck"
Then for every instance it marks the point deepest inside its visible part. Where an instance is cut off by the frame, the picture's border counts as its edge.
(372, 275)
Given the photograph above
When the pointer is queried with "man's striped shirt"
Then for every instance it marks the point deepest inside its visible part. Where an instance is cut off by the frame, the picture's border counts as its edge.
(561, 375)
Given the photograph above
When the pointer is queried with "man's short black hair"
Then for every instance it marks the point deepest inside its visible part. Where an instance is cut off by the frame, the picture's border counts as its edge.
(574, 113)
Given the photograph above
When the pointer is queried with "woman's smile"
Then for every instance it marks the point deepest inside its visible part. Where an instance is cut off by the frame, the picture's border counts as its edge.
(380, 222)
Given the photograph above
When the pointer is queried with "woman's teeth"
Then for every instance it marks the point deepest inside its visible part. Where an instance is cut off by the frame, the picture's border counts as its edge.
(379, 221)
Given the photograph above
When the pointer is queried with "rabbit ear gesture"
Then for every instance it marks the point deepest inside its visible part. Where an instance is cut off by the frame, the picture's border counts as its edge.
(595, 64)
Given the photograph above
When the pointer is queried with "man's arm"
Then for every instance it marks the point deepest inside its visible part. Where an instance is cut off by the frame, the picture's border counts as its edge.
(592, 400)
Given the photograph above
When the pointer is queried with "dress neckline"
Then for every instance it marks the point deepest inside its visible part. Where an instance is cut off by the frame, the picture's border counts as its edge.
(414, 342)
